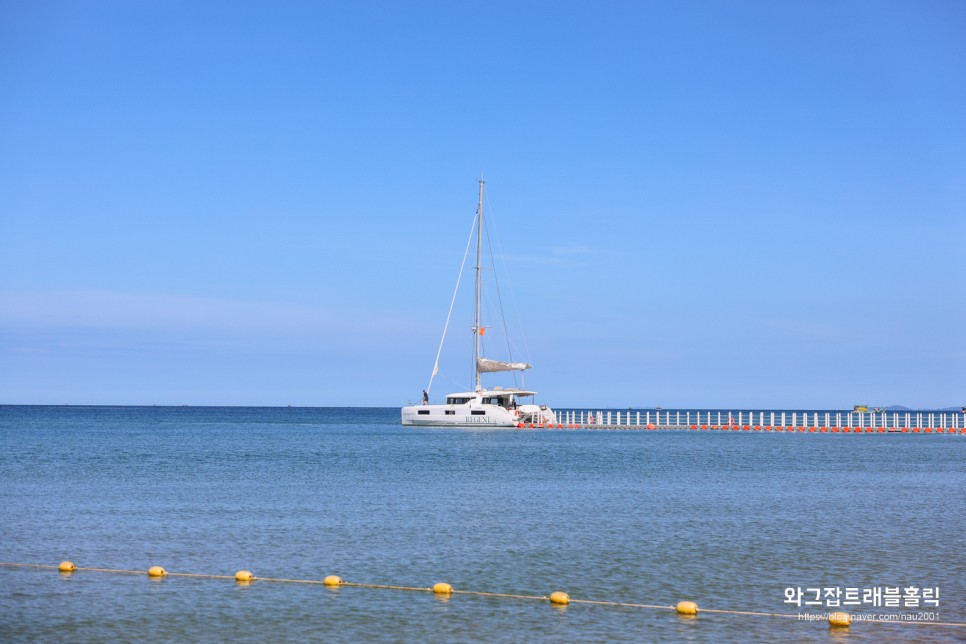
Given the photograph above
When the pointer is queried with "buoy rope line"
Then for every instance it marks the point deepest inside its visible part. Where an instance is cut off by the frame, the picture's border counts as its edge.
(684, 608)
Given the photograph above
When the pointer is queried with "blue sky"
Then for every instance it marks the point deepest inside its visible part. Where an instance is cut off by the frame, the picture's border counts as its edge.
(698, 204)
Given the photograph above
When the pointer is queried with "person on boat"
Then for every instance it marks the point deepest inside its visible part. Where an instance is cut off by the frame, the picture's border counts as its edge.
(425, 397)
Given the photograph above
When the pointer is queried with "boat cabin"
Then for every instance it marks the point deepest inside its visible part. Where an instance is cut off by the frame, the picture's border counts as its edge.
(506, 398)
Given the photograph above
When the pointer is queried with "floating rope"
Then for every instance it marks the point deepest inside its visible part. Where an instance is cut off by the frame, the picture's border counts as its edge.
(685, 608)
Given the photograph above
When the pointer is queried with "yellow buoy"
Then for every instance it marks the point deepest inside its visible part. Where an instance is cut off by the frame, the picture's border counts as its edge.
(442, 588)
(332, 580)
(67, 566)
(157, 571)
(687, 608)
(839, 619)
(244, 576)
(559, 598)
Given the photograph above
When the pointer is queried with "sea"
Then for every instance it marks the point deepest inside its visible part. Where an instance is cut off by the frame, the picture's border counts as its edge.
(766, 532)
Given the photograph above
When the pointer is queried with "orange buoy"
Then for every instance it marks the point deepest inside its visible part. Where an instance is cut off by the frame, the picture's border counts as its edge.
(559, 598)
(687, 608)
(66, 566)
(839, 620)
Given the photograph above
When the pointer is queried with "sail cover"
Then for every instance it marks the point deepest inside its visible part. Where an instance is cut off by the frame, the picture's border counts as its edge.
(485, 365)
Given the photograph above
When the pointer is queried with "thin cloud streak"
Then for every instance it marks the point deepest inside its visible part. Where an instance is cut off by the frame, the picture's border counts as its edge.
(110, 310)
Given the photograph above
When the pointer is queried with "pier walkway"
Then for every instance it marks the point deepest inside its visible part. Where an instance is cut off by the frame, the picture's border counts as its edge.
(767, 421)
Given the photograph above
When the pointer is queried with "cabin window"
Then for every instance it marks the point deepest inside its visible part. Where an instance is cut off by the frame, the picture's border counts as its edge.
(422, 412)
(478, 412)
(450, 412)
(458, 401)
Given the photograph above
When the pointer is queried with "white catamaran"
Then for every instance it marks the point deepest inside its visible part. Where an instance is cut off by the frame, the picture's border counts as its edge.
(496, 407)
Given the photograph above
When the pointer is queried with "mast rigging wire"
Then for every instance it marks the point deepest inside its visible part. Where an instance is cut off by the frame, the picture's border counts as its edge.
(451, 304)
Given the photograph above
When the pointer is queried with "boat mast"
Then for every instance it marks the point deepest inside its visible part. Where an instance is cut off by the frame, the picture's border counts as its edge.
(479, 276)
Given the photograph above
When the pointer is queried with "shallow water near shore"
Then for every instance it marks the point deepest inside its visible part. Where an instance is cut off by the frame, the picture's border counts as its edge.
(728, 520)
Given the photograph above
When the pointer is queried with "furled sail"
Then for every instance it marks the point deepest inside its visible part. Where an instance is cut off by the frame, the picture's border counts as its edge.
(485, 365)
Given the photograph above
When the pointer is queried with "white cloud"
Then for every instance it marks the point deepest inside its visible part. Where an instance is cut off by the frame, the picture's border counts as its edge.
(559, 255)
(573, 250)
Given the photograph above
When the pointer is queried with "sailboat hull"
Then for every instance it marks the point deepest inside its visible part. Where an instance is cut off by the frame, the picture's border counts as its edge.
(484, 409)
(459, 416)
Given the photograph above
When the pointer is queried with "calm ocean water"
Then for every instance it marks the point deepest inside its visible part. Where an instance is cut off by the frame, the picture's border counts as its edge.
(727, 519)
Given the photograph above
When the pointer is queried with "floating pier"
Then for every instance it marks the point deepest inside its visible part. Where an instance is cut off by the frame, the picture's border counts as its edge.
(766, 421)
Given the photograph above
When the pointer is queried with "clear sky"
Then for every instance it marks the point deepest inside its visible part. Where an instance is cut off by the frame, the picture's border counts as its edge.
(698, 204)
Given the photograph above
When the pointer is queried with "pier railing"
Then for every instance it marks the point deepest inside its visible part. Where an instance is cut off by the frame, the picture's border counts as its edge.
(802, 421)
